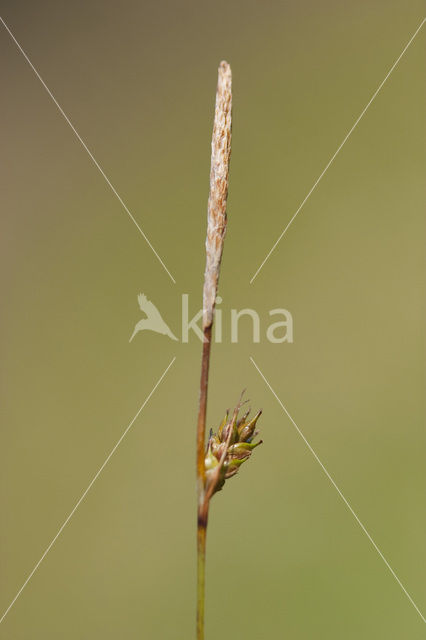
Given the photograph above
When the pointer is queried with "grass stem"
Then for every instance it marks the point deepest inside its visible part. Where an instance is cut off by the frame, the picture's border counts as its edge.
(216, 229)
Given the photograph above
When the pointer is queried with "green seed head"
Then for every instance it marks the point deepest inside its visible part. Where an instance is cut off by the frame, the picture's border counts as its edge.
(229, 448)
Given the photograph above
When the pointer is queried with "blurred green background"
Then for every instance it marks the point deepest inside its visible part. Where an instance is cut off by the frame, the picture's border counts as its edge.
(286, 559)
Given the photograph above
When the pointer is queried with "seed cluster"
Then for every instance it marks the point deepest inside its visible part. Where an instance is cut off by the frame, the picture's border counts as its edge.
(229, 448)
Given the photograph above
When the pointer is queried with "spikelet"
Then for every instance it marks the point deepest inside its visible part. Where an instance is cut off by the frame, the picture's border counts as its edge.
(229, 448)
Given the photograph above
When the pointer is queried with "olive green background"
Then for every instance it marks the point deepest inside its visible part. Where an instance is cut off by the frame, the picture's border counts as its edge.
(286, 559)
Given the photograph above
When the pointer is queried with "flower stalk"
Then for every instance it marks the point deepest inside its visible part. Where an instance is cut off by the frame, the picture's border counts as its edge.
(226, 450)
(216, 229)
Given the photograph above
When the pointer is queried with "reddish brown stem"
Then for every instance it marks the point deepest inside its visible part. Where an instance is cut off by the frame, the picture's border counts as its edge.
(203, 504)
(202, 411)
(216, 229)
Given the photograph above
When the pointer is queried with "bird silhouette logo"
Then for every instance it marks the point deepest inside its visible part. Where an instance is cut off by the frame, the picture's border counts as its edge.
(153, 320)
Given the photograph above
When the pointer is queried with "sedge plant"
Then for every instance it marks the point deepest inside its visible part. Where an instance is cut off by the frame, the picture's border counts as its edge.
(226, 450)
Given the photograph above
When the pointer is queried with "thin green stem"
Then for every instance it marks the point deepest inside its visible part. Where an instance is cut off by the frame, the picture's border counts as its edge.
(201, 574)
(216, 228)
(203, 502)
